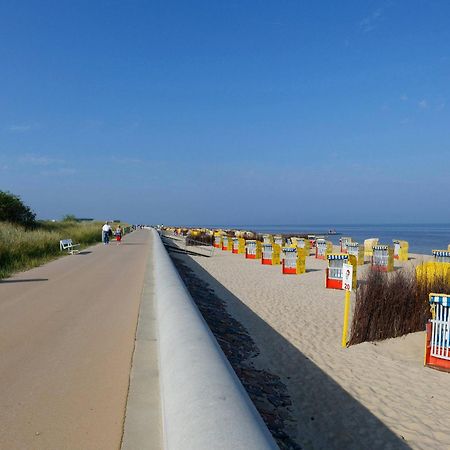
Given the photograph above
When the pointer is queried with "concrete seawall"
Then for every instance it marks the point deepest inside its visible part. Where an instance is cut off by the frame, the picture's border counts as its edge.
(204, 405)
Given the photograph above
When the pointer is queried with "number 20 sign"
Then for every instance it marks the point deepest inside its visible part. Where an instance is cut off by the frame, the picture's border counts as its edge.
(347, 278)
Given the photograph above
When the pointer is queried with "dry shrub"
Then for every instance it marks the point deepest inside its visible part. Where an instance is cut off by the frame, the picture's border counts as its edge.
(200, 239)
(393, 304)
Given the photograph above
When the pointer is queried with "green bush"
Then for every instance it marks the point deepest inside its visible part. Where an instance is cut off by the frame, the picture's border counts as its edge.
(13, 210)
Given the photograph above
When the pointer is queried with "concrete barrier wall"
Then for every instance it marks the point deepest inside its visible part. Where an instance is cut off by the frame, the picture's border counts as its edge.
(204, 405)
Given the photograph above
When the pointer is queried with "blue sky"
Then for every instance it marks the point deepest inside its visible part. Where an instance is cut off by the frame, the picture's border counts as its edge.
(227, 112)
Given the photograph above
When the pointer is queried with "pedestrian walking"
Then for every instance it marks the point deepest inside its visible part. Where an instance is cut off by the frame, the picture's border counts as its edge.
(106, 230)
(119, 234)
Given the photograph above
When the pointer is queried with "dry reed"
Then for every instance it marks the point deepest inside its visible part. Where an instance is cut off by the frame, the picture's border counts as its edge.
(389, 305)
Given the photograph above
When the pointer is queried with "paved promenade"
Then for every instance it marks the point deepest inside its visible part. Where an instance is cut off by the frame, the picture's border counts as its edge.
(67, 332)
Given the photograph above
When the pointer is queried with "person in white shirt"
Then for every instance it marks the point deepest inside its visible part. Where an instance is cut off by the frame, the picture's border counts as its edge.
(106, 229)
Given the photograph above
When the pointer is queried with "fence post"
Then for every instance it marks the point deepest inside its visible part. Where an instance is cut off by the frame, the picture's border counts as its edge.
(346, 314)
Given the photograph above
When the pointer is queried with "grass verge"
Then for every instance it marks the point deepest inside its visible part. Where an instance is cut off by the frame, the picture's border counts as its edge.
(22, 249)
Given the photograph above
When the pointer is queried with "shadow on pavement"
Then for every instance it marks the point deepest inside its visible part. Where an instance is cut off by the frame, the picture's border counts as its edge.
(29, 280)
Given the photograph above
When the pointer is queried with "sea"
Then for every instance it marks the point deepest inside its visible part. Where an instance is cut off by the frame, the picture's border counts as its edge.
(422, 238)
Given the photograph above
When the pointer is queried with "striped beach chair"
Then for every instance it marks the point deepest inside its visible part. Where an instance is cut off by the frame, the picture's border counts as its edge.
(437, 349)
(383, 258)
(294, 261)
(334, 272)
(441, 255)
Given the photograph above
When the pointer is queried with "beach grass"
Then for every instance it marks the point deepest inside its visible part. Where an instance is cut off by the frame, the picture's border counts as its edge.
(22, 249)
(390, 305)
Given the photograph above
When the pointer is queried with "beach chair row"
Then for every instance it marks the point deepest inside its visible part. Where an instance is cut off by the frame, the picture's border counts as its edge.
(291, 254)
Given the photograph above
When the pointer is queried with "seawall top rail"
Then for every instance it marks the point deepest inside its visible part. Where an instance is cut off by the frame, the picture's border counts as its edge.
(204, 405)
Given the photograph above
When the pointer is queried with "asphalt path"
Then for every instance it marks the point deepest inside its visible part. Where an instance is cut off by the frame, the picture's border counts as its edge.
(67, 332)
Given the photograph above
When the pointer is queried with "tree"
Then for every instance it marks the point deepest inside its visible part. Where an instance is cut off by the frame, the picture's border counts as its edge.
(69, 218)
(13, 210)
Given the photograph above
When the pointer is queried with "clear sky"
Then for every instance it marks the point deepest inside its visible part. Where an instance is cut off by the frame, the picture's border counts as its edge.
(243, 111)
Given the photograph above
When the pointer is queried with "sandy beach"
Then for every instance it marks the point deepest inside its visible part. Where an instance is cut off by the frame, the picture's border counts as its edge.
(369, 396)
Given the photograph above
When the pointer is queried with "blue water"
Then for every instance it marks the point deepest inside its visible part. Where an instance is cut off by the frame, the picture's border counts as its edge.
(422, 238)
